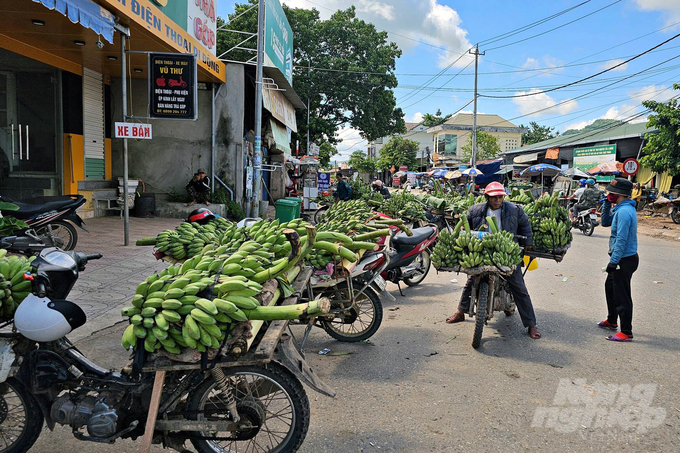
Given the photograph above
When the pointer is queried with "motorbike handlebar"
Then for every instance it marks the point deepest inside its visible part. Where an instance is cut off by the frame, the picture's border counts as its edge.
(93, 256)
(40, 290)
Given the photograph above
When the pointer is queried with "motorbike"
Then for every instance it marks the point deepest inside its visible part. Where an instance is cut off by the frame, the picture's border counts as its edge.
(674, 206)
(223, 407)
(50, 220)
(586, 221)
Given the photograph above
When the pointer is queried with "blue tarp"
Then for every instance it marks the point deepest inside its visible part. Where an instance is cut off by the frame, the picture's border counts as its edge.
(87, 13)
(489, 171)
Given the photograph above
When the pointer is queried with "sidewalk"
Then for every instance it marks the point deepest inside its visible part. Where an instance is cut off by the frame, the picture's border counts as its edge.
(108, 284)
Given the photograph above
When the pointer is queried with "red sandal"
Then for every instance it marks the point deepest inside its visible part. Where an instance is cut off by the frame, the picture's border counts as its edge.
(607, 325)
(620, 336)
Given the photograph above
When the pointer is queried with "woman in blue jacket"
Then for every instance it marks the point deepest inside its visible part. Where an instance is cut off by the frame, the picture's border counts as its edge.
(623, 257)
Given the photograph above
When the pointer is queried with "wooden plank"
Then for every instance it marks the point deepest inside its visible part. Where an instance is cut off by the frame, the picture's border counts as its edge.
(153, 411)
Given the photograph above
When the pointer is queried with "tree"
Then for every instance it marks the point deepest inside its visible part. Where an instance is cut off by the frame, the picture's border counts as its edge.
(398, 151)
(326, 151)
(537, 133)
(361, 163)
(352, 94)
(430, 120)
(662, 150)
(601, 123)
(487, 147)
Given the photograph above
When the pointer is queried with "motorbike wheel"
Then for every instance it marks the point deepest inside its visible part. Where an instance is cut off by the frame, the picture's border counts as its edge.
(21, 419)
(423, 261)
(480, 314)
(366, 317)
(587, 228)
(60, 234)
(272, 399)
(319, 213)
(640, 206)
(675, 215)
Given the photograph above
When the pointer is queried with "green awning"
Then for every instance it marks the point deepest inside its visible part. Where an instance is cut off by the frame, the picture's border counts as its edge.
(280, 137)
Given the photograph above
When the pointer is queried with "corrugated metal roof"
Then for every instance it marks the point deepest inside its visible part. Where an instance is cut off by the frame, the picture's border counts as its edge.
(582, 138)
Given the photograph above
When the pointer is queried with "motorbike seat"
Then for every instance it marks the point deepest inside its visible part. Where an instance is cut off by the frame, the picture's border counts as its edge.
(401, 240)
(31, 206)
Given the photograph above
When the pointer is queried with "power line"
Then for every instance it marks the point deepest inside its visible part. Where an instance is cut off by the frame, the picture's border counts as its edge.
(448, 81)
(585, 78)
(558, 27)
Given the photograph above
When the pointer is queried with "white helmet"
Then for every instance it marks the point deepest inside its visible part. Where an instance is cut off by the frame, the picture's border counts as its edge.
(42, 319)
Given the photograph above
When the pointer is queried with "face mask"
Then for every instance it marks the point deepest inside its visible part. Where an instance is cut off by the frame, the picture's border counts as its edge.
(612, 198)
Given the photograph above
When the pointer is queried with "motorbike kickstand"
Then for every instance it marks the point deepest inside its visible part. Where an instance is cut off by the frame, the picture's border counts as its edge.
(400, 291)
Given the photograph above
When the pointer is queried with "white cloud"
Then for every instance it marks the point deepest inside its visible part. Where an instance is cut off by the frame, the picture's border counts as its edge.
(531, 63)
(415, 118)
(529, 104)
(350, 141)
(614, 62)
(414, 20)
(377, 8)
(671, 9)
(658, 93)
(547, 62)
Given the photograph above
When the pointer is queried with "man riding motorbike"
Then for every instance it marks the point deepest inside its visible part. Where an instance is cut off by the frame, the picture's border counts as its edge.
(378, 186)
(588, 200)
(511, 218)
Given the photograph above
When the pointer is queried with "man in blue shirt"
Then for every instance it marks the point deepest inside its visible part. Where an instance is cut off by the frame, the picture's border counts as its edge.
(623, 257)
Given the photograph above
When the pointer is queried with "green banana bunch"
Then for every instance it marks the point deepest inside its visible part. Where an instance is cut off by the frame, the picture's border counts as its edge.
(13, 287)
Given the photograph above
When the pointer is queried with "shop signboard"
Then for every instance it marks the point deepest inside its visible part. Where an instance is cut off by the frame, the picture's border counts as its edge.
(278, 47)
(172, 86)
(324, 180)
(133, 130)
(403, 168)
(280, 108)
(396, 181)
(174, 23)
(411, 175)
(587, 158)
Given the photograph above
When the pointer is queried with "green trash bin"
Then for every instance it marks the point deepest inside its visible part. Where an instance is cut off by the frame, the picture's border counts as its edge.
(299, 205)
(286, 210)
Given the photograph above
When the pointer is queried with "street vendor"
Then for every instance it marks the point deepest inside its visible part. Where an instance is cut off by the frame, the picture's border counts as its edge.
(379, 187)
(343, 192)
(511, 218)
(623, 258)
(198, 188)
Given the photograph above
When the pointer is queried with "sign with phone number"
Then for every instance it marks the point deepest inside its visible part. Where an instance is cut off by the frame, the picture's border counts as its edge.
(172, 86)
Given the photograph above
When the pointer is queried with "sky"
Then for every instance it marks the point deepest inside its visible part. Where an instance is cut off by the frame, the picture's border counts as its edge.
(436, 72)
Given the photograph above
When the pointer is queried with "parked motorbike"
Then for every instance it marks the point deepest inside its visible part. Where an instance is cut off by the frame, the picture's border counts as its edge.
(50, 220)
(44, 377)
(674, 206)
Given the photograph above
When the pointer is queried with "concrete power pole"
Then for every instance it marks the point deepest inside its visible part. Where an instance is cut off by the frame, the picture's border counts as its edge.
(257, 154)
(474, 109)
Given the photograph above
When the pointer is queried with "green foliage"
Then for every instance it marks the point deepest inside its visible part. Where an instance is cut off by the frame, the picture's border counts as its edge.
(361, 190)
(598, 124)
(326, 151)
(430, 120)
(357, 98)
(361, 163)
(662, 150)
(8, 225)
(398, 151)
(537, 133)
(232, 209)
(487, 147)
(178, 197)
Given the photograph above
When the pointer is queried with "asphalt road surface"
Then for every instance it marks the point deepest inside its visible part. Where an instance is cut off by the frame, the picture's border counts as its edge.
(418, 386)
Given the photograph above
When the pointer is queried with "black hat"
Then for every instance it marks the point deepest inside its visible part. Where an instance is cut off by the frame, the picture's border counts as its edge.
(620, 186)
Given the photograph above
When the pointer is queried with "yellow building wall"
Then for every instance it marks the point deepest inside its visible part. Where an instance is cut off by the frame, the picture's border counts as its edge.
(74, 162)
(107, 158)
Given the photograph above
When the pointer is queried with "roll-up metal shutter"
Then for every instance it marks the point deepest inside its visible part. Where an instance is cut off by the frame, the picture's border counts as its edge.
(93, 124)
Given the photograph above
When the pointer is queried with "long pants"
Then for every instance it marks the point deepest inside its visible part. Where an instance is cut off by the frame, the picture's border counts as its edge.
(519, 293)
(198, 196)
(617, 290)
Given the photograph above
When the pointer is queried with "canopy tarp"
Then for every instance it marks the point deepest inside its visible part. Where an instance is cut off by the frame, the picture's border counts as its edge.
(87, 13)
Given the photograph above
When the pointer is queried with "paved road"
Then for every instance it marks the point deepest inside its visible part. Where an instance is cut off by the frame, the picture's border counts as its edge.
(418, 385)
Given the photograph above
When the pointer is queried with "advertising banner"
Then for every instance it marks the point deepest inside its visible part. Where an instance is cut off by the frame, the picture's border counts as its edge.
(202, 22)
(280, 108)
(278, 48)
(172, 86)
(587, 158)
(323, 180)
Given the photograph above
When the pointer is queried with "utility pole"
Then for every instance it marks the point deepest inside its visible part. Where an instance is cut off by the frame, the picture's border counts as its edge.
(126, 201)
(257, 154)
(474, 109)
(309, 95)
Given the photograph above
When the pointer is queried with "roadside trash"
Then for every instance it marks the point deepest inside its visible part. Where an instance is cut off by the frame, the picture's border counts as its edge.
(564, 279)
(658, 282)
(454, 280)
(324, 351)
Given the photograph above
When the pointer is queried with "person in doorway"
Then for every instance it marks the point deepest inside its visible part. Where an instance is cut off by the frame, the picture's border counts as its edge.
(623, 258)
(379, 187)
(511, 218)
(343, 192)
(198, 188)
(588, 199)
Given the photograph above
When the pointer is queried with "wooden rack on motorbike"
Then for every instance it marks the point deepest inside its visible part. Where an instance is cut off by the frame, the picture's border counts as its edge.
(268, 343)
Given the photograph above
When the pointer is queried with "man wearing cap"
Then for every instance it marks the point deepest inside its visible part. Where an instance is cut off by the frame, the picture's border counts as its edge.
(623, 258)
(379, 187)
(198, 188)
(511, 218)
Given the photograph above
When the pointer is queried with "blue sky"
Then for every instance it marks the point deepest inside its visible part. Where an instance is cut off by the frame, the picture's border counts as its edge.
(434, 33)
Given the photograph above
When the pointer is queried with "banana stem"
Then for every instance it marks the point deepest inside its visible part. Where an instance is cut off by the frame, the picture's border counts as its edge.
(371, 235)
(146, 241)
(290, 312)
(336, 249)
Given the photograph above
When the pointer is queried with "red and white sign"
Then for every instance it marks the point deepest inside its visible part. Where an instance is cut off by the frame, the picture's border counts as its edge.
(133, 130)
(631, 166)
(403, 168)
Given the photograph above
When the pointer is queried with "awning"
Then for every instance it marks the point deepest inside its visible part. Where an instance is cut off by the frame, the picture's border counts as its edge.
(280, 138)
(526, 158)
(87, 13)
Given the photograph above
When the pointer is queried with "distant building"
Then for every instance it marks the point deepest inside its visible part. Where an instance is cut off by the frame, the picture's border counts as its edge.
(448, 139)
(414, 131)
